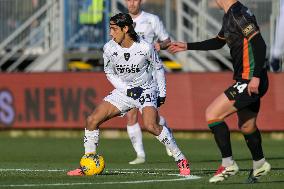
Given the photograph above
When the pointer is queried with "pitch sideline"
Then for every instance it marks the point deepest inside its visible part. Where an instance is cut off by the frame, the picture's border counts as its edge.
(123, 171)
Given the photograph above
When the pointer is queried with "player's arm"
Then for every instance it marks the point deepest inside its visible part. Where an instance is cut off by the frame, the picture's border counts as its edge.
(160, 72)
(162, 45)
(259, 51)
(250, 30)
(164, 39)
(210, 44)
(111, 74)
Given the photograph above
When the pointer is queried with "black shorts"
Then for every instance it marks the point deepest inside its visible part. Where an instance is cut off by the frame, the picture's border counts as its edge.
(239, 93)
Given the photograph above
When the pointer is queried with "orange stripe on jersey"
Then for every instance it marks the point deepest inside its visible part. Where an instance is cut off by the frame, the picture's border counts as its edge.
(246, 66)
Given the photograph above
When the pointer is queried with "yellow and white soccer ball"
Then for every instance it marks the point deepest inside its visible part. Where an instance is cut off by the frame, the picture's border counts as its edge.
(92, 164)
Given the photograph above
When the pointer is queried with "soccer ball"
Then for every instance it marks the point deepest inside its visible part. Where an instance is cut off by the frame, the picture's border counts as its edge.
(92, 164)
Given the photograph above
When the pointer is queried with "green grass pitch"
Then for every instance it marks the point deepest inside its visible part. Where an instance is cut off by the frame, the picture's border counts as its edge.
(42, 163)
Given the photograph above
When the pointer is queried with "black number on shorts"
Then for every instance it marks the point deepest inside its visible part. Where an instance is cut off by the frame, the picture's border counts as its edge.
(142, 100)
(148, 98)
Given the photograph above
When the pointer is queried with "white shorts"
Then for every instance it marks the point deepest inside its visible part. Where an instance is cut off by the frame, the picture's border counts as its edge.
(125, 103)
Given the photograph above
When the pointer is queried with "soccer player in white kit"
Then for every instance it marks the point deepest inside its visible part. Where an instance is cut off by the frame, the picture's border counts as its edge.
(151, 29)
(278, 47)
(128, 63)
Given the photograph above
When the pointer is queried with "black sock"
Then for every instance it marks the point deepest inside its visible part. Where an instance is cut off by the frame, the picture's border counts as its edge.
(253, 141)
(222, 137)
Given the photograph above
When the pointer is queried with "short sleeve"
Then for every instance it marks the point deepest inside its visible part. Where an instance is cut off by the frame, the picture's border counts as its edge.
(160, 30)
(108, 69)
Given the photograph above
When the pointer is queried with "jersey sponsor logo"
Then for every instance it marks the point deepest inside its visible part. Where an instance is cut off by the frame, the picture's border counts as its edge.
(126, 56)
(127, 68)
(249, 29)
(140, 53)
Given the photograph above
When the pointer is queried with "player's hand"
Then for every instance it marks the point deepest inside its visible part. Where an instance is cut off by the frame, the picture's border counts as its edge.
(161, 101)
(135, 92)
(177, 47)
(253, 85)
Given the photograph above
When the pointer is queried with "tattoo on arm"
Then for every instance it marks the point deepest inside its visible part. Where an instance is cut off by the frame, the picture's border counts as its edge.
(165, 44)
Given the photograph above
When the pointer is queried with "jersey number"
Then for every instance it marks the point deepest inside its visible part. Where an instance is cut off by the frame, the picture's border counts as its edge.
(240, 86)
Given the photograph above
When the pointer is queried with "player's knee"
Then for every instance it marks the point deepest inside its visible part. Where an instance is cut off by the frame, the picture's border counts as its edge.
(247, 128)
(152, 128)
(132, 118)
(210, 115)
(92, 122)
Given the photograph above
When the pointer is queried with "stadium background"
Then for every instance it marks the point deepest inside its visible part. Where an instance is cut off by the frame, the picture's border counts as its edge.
(51, 79)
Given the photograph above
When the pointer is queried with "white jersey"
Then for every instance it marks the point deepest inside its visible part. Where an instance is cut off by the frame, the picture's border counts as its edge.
(278, 47)
(150, 28)
(131, 67)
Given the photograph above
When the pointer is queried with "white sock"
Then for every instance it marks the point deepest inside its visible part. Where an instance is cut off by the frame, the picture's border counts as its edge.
(163, 122)
(167, 139)
(135, 135)
(91, 141)
(258, 164)
(228, 161)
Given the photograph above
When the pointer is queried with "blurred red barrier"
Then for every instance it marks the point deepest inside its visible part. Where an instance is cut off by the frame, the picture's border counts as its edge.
(63, 100)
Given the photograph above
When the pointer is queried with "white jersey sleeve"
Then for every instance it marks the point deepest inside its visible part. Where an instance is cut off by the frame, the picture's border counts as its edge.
(158, 68)
(111, 73)
(159, 29)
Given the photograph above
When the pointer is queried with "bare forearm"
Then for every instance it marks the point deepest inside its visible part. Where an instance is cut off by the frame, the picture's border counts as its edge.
(165, 44)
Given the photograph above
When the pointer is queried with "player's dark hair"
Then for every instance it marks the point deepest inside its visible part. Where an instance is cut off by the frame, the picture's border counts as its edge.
(122, 20)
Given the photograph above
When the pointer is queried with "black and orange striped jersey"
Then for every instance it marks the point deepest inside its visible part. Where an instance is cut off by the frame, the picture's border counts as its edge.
(238, 28)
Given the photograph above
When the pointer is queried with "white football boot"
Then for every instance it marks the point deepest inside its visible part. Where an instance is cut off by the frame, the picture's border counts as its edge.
(257, 173)
(138, 160)
(224, 172)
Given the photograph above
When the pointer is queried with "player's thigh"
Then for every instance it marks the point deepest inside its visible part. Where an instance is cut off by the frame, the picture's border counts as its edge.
(132, 116)
(149, 115)
(102, 113)
(220, 108)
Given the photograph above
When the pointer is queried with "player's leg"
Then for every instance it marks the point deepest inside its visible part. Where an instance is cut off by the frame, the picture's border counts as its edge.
(247, 123)
(163, 134)
(102, 113)
(163, 122)
(135, 135)
(219, 109)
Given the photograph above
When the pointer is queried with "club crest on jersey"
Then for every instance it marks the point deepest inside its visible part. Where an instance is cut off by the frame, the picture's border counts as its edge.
(126, 56)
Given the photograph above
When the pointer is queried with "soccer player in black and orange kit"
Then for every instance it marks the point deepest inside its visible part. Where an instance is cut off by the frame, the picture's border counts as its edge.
(247, 48)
